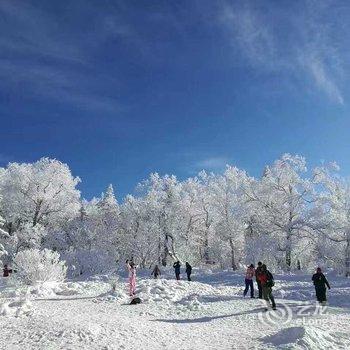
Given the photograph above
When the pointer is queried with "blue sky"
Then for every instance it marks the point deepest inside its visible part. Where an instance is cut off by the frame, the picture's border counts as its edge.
(119, 89)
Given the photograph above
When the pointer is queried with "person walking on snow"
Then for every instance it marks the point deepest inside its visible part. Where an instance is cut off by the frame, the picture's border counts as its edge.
(320, 283)
(132, 277)
(156, 272)
(257, 273)
(176, 266)
(188, 271)
(249, 281)
(267, 282)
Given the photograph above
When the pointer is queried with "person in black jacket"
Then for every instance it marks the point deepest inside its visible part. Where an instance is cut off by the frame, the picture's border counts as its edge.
(6, 271)
(257, 273)
(176, 266)
(320, 283)
(156, 272)
(188, 271)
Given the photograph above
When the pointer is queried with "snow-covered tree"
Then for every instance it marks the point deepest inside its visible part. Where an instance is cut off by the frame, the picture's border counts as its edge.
(43, 193)
(282, 201)
(165, 194)
(283, 218)
(34, 265)
(229, 200)
(334, 225)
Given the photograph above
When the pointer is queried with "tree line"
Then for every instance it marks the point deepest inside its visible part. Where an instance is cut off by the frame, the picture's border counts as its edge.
(290, 217)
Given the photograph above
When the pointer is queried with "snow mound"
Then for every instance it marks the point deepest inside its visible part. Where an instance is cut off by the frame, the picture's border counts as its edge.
(67, 289)
(43, 290)
(16, 308)
(177, 293)
(193, 304)
(49, 290)
(285, 336)
(308, 338)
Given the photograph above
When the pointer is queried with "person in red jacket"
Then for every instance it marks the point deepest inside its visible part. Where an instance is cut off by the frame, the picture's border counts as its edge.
(267, 282)
(249, 281)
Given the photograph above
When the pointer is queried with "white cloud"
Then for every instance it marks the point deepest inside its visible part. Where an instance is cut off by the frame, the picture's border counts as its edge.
(61, 85)
(323, 79)
(249, 33)
(300, 39)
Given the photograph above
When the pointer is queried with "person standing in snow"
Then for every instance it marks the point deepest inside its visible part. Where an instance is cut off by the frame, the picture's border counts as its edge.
(249, 281)
(132, 277)
(6, 271)
(156, 272)
(176, 266)
(267, 282)
(257, 273)
(188, 271)
(320, 283)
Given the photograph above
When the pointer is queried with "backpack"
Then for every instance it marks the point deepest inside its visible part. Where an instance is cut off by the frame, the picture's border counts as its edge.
(270, 281)
(135, 301)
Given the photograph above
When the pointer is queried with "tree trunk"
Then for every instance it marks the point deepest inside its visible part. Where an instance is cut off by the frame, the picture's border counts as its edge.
(206, 237)
(37, 212)
(159, 250)
(165, 251)
(9, 228)
(233, 262)
(206, 249)
(288, 251)
(347, 256)
(249, 241)
(163, 260)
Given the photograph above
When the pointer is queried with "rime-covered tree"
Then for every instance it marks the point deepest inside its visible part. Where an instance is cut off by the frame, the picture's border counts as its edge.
(334, 225)
(229, 200)
(43, 193)
(283, 197)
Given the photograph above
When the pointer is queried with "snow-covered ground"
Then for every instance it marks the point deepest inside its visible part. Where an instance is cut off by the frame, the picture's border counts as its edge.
(208, 313)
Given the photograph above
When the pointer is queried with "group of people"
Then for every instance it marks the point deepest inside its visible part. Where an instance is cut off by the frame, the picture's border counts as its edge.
(177, 267)
(265, 282)
(263, 276)
(156, 273)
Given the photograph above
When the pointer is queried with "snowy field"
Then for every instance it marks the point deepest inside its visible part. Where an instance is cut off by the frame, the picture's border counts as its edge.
(208, 313)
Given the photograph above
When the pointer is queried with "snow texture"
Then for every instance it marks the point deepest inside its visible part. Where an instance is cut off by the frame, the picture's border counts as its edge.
(209, 313)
